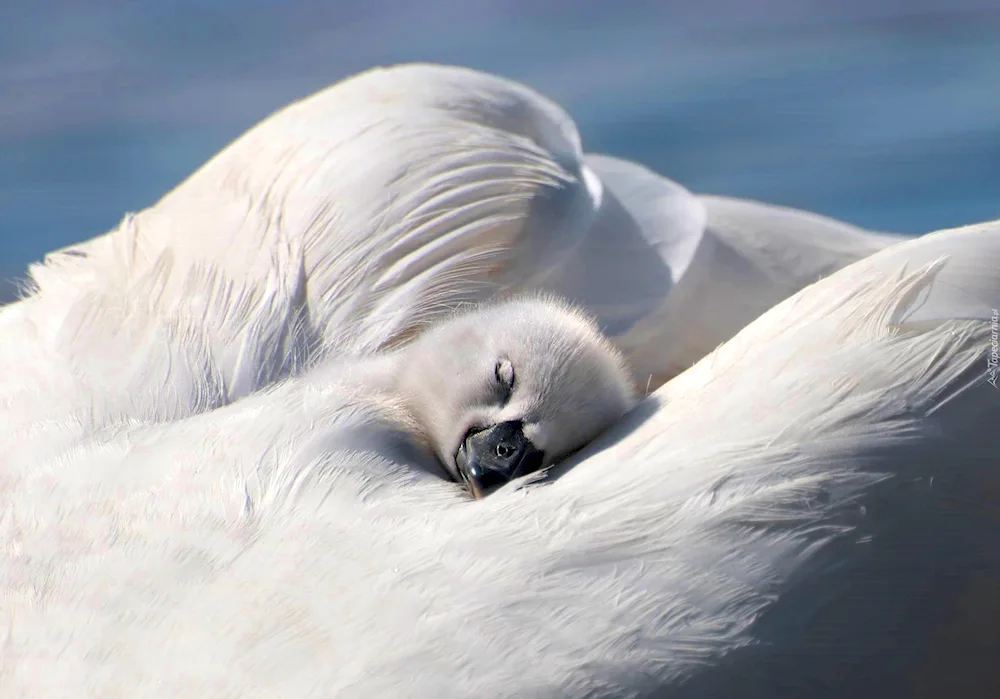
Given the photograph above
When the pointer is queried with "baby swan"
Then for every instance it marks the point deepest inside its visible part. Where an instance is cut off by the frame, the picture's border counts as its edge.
(503, 390)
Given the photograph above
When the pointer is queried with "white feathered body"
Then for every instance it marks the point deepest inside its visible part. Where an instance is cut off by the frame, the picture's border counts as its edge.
(186, 513)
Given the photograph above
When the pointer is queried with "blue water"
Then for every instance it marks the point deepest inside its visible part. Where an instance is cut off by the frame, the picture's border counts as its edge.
(883, 113)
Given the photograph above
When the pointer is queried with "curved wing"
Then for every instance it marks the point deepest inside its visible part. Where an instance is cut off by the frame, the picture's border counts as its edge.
(348, 221)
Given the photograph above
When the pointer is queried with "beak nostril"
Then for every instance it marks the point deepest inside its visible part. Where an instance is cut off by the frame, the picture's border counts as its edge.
(489, 457)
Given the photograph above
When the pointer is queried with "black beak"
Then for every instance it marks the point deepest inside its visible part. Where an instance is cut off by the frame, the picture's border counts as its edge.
(494, 456)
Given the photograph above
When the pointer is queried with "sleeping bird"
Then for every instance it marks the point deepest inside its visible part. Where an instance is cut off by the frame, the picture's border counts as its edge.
(506, 390)
(228, 429)
(493, 393)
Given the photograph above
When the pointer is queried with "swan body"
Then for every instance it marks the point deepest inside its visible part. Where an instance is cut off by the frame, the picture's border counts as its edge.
(188, 510)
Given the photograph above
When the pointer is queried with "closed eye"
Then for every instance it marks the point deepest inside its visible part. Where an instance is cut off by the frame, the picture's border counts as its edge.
(504, 373)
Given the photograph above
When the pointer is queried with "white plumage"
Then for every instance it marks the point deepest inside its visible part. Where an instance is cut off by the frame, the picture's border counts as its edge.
(806, 510)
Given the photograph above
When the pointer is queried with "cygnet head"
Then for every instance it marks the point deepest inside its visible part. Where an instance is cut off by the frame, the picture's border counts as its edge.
(504, 390)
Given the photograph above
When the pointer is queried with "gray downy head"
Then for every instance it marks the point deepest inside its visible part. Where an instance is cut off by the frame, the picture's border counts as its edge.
(504, 390)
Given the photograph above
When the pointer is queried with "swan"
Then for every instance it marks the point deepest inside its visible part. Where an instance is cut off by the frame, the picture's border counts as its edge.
(507, 390)
(491, 394)
(807, 508)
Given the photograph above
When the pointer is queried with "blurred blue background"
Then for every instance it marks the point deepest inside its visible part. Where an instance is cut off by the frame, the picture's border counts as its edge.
(885, 113)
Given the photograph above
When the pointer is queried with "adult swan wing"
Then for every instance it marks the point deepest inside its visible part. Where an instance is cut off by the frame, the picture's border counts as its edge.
(348, 221)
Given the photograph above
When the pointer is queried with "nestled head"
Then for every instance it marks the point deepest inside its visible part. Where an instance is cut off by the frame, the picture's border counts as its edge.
(505, 390)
